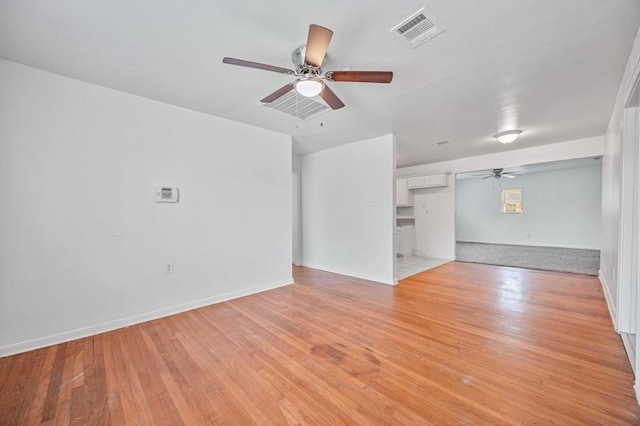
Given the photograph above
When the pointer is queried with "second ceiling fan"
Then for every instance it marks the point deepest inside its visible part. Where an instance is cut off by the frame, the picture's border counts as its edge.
(311, 81)
(497, 174)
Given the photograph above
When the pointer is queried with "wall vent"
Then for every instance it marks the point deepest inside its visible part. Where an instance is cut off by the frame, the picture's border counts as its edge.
(298, 106)
(420, 27)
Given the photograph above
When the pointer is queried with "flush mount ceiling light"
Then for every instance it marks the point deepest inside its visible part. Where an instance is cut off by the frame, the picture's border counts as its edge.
(309, 87)
(507, 136)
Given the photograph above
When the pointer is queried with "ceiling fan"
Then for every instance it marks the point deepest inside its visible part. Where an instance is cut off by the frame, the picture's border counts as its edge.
(310, 81)
(497, 174)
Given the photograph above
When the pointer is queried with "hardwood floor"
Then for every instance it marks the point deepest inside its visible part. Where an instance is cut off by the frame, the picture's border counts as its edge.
(460, 344)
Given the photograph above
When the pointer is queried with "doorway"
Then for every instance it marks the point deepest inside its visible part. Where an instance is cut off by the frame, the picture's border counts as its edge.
(540, 216)
(296, 232)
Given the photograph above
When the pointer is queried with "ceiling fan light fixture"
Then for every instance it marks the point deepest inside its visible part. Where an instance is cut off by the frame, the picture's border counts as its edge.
(309, 87)
(507, 136)
(308, 60)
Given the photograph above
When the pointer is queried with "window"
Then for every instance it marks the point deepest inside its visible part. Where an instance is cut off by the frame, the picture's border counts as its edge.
(511, 200)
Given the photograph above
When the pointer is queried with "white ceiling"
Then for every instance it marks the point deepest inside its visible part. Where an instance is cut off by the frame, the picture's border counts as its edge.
(549, 67)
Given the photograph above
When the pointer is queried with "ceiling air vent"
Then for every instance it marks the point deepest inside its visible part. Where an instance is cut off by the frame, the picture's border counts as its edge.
(420, 27)
(298, 106)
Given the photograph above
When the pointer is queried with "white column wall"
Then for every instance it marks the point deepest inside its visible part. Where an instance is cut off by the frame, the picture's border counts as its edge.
(348, 209)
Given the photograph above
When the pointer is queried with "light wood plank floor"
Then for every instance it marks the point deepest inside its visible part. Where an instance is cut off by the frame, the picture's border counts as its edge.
(459, 344)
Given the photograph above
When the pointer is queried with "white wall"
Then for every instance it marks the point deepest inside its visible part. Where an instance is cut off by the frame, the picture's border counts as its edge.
(561, 208)
(620, 190)
(611, 184)
(348, 207)
(434, 212)
(611, 209)
(296, 162)
(78, 164)
(437, 208)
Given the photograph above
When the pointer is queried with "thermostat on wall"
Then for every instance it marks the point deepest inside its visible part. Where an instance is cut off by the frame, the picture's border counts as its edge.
(166, 194)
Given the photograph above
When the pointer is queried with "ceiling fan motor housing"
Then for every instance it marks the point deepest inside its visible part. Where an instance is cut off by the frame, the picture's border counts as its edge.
(301, 67)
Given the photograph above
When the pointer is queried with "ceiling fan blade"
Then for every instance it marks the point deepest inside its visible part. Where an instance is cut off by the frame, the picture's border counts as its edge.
(317, 43)
(330, 98)
(487, 177)
(507, 175)
(258, 65)
(360, 76)
(278, 93)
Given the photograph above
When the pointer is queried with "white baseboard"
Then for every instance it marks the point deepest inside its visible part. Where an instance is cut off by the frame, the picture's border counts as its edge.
(630, 348)
(530, 244)
(381, 280)
(609, 298)
(92, 330)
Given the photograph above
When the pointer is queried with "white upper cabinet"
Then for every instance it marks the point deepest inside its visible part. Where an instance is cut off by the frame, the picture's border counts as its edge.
(433, 181)
(416, 182)
(403, 197)
(404, 185)
(428, 181)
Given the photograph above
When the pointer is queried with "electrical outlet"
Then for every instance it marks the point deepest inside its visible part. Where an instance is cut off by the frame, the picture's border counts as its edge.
(168, 267)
